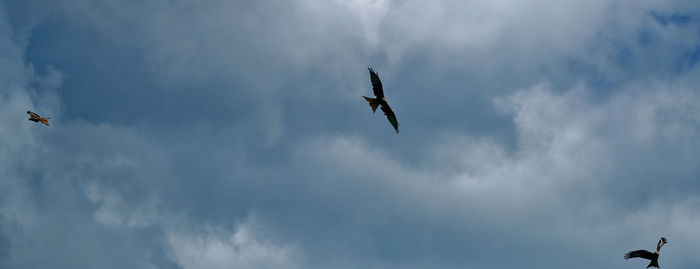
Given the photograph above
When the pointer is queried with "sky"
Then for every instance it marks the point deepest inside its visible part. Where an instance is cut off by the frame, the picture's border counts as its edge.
(233, 134)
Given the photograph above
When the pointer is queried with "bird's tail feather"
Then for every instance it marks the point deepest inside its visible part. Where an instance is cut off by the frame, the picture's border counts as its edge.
(45, 121)
(373, 102)
(653, 263)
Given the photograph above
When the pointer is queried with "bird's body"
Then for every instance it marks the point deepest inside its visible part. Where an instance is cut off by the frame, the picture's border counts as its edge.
(380, 100)
(36, 118)
(653, 257)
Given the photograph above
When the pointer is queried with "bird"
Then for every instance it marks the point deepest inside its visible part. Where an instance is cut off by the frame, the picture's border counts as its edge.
(380, 100)
(36, 118)
(654, 257)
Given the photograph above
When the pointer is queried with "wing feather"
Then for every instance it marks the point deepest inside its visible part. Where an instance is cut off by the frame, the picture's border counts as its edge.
(639, 254)
(32, 114)
(376, 83)
(391, 117)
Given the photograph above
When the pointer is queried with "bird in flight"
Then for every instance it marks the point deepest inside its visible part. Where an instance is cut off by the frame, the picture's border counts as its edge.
(36, 118)
(381, 100)
(654, 257)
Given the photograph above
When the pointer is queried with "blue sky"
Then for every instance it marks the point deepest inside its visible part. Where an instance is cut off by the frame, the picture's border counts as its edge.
(233, 134)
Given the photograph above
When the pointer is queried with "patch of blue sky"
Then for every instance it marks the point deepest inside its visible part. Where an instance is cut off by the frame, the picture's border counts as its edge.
(675, 19)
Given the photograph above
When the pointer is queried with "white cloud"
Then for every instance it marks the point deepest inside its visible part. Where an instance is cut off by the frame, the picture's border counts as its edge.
(241, 248)
(112, 210)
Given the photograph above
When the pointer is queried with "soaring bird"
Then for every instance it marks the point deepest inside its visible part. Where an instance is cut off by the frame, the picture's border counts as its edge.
(36, 118)
(381, 100)
(654, 257)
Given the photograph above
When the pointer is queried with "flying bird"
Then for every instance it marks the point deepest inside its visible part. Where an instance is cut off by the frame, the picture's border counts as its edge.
(654, 257)
(36, 118)
(381, 100)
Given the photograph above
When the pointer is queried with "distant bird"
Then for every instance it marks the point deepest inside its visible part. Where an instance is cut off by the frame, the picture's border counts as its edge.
(381, 100)
(36, 118)
(654, 257)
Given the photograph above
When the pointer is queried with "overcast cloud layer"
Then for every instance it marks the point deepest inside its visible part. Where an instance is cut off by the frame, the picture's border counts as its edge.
(232, 134)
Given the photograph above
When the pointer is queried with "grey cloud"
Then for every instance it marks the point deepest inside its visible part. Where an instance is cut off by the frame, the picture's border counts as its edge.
(230, 134)
(566, 184)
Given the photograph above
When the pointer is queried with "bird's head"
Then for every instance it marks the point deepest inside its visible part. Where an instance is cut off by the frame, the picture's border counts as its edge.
(662, 241)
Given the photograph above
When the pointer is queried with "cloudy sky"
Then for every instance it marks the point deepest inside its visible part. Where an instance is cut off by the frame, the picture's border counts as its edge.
(233, 134)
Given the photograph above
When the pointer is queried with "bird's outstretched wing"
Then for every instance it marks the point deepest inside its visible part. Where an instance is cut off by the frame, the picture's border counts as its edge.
(662, 242)
(376, 83)
(639, 254)
(391, 117)
(33, 115)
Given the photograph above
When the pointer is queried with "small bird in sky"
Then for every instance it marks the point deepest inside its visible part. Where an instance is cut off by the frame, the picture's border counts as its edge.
(654, 257)
(36, 118)
(381, 100)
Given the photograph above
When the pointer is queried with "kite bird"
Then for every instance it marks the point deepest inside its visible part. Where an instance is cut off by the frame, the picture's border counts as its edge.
(381, 100)
(36, 118)
(654, 257)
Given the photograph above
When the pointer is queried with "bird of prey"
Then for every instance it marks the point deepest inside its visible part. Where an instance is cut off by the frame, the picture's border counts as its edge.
(36, 118)
(381, 100)
(654, 257)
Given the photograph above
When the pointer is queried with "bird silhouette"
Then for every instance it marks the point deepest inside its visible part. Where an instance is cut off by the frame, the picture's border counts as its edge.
(380, 100)
(654, 257)
(36, 118)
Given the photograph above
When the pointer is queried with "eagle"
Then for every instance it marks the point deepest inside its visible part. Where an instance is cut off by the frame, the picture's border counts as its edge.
(654, 257)
(381, 100)
(36, 118)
